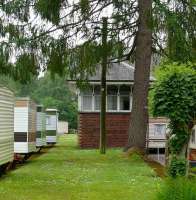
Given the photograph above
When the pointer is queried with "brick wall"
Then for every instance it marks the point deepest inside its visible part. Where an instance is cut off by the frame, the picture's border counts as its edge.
(116, 125)
(192, 155)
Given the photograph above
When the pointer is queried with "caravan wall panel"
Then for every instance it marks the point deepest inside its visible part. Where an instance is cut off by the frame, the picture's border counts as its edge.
(192, 145)
(62, 127)
(51, 127)
(6, 126)
(24, 126)
(32, 122)
(41, 129)
(39, 121)
(21, 119)
(158, 127)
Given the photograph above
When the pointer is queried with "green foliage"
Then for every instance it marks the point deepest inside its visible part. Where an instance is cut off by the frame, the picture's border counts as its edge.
(25, 68)
(178, 48)
(85, 8)
(178, 19)
(173, 96)
(6, 68)
(177, 167)
(84, 59)
(178, 140)
(49, 10)
(174, 93)
(57, 63)
(79, 22)
(12, 30)
(78, 26)
(52, 93)
(17, 8)
(8, 82)
(177, 189)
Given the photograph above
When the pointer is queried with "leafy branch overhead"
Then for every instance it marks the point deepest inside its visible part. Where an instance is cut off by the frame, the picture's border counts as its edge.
(35, 27)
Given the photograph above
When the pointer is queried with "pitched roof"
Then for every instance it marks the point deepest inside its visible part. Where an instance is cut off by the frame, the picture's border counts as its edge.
(118, 72)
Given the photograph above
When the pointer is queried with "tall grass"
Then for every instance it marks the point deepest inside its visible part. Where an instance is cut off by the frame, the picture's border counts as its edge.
(177, 189)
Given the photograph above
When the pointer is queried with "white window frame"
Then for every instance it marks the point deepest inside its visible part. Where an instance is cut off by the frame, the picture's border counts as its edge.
(93, 109)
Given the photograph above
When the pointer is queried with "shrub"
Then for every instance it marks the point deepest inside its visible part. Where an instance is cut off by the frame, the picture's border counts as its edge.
(177, 167)
(177, 189)
(173, 96)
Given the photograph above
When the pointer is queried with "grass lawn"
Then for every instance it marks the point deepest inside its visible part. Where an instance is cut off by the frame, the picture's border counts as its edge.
(67, 173)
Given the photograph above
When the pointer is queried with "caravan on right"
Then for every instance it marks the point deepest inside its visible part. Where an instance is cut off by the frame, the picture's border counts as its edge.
(156, 140)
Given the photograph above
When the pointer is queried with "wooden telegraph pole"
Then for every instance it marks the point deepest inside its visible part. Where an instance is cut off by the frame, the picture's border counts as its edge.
(103, 87)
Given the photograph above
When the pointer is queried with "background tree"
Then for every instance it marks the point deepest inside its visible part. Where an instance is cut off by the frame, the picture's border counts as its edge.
(174, 29)
(52, 93)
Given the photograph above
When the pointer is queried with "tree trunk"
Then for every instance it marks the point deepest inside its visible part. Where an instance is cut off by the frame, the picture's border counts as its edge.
(139, 115)
(103, 89)
(167, 150)
(185, 152)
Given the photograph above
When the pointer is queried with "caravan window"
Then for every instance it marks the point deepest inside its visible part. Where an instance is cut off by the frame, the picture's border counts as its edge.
(159, 129)
(48, 120)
